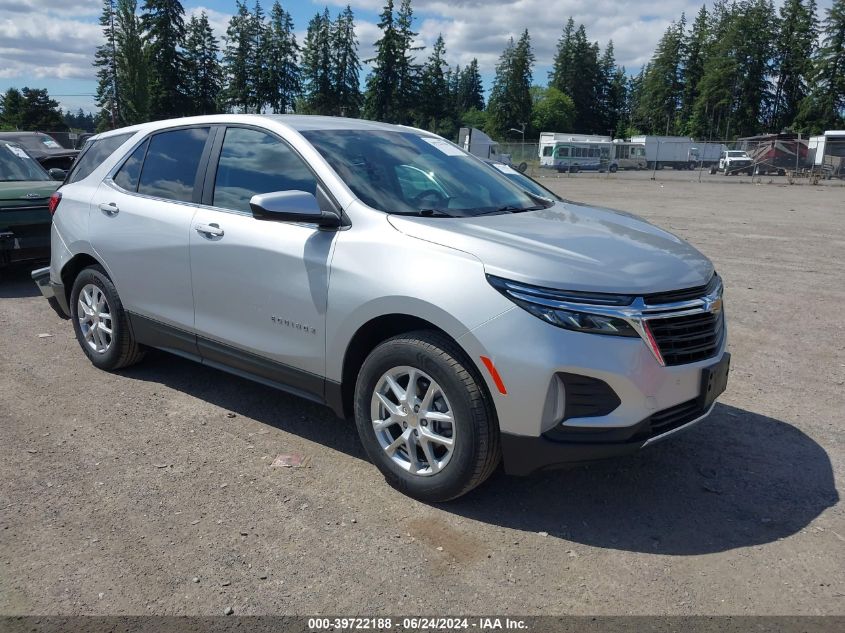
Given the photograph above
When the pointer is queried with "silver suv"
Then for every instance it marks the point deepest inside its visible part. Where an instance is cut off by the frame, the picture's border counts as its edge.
(387, 273)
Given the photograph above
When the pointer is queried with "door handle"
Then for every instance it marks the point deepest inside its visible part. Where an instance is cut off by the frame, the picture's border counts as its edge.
(109, 208)
(212, 230)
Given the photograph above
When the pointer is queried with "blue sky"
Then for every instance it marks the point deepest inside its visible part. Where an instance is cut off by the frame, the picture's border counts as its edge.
(50, 44)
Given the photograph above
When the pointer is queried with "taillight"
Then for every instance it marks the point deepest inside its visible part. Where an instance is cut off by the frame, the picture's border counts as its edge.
(55, 199)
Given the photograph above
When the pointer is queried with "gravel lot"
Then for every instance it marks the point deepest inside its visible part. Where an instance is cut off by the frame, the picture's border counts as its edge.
(151, 490)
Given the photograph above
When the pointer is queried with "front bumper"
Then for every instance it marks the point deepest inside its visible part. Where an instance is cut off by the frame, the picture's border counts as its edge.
(537, 431)
(523, 455)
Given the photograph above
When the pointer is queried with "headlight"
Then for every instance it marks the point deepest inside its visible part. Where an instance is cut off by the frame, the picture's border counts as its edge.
(561, 308)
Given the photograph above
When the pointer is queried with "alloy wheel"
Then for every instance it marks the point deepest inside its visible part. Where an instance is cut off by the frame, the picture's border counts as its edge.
(413, 420)
(95, 319)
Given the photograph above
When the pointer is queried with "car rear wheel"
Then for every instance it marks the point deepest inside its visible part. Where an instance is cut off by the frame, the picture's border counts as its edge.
(100, 322)
(424, 418)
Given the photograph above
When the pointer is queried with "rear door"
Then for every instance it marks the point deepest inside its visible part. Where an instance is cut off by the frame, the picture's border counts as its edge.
(140, 222)
(260, 287)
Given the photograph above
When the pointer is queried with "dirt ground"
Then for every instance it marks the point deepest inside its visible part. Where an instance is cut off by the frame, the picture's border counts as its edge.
(151, 490)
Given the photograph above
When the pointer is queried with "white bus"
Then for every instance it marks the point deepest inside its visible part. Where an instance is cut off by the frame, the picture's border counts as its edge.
(574, 152)
(579, 152)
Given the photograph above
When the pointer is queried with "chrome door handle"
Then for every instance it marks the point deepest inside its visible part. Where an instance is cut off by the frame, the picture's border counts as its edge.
(110, 208)
(212, 230)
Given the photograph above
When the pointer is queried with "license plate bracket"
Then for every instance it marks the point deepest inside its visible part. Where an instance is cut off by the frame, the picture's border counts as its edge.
(714, 381)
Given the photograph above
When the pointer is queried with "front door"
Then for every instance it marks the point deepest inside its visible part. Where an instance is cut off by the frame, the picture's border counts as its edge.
(260, 287)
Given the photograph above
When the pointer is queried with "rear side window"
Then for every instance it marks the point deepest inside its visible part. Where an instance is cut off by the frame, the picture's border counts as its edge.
(129, 174)
(253, 162)
(94, 154)
(170, 167)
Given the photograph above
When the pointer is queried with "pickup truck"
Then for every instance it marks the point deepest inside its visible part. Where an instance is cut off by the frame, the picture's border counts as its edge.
(25, 191)
(734, 161)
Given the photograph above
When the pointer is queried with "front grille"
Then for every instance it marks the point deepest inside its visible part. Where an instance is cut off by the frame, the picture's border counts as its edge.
(675, 296)
(673, 417)
(687, 339)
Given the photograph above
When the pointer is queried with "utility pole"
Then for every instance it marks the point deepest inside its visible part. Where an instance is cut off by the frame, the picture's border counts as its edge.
(521, 131)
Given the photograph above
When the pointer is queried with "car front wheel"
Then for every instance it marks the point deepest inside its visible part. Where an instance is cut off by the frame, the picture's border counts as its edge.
(424, 417)
(100, 322)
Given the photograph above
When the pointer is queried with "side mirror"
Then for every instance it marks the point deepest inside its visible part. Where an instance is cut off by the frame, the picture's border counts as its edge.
(56, 173)
(291, 206)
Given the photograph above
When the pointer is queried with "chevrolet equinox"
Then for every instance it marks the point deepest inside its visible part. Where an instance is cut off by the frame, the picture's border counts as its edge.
(383, 271)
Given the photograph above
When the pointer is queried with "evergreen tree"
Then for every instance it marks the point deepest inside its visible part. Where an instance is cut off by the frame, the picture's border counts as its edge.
(11, 109)
(238, 54)
(381, 98)
(794, 49)
(105, 60)
(695, 49)
(132, 75)
(757, 25)
(434, 94)
(510, 99)
(79, 121)
(317, 65)
(346, 65)
(735, 91)
(612, 88)
(164, 24)
(257, 70)
(562, 74)
(577, 73)
(662, 89)
(40, 112)
(408, 72)
(824, 108)
(30, 109)
(282, 53)
(634, 96)
(471, 90)
(204, 77)
(714, 102)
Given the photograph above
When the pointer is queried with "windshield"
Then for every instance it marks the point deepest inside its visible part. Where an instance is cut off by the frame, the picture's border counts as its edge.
(17, 165)
(736, 154)
(37, 141)
(525, 182)
(404, 172)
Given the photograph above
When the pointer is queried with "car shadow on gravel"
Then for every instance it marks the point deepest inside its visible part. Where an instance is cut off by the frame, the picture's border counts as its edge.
(738, 479)
(250, 399)
(16, 281)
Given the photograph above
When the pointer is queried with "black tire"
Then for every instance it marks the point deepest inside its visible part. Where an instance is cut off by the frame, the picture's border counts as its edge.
(123, 349)
(476, 451)
(612, 169)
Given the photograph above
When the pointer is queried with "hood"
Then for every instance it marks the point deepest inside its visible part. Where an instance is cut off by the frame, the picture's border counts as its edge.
(26, 193)
(571, 247)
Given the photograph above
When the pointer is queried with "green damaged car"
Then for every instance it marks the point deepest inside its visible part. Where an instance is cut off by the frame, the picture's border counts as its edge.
(25, 190)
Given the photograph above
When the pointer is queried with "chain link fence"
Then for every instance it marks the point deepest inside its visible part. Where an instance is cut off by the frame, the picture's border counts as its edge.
(782, 157)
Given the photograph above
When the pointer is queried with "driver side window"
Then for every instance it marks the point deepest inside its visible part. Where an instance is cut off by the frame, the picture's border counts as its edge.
(253, 162)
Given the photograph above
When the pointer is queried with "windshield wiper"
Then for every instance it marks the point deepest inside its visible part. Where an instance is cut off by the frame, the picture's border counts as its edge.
(426, 213)
(510, 208)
